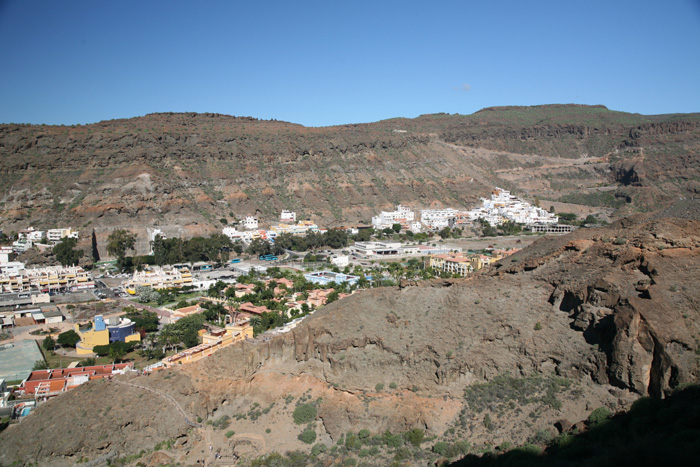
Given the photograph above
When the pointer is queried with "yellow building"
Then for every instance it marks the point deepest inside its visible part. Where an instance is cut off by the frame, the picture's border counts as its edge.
(104, 332)
(211, 342)
(453, 264)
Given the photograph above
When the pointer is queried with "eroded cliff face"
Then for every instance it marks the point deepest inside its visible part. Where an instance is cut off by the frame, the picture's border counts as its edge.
(184, 172)
(630, 292)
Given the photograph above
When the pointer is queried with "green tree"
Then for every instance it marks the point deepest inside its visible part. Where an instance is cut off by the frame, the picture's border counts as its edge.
(147, 294)
(396, 228)
(260, 247)
(95, 250)
(332, 297)
(68, 339)
(117, 351)
(144, 320)
(40, 365)
(49, 343)
(118, 243)
(65, 251)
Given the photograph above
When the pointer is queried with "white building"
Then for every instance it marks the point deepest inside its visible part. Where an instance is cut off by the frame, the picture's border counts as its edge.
(55, 235)
(155, 233)
(250, 222)
(30, 235)
(403, 215)
(376, 248)
(11, 267)
(233, 234)
(437, 218)
(288, 216)
(5, 252)
(503, 206)
(340, 260)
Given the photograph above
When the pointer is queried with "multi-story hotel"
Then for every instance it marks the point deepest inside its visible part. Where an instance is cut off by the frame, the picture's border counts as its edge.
(46, 279)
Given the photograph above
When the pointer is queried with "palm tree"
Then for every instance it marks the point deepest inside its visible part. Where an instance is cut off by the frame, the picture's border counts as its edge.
(234, 310)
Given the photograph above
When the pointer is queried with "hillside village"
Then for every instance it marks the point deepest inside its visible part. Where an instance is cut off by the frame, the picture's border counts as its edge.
(174, 314)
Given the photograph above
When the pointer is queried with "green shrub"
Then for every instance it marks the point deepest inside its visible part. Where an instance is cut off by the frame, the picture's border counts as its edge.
(222, 422)
(352, 441)
(599, 416)
(379, 387)
(504, 446)
(230, 433)
(363, 434)
(318, 449)
(392, 385)
(458, 448)
(304, 413)
(307, 436)
(393, 441)
(415, 436)
(440, 448)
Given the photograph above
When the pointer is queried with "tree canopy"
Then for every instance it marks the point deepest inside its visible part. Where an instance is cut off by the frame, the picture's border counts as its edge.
(66, 253)
(214, 248)
(68, 339)
(119, 242)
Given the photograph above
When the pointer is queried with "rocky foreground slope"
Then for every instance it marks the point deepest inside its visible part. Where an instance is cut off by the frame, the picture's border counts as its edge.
(596, 318)
(183, 173)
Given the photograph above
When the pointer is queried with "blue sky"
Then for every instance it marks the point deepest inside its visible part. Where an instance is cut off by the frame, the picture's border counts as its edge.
(325, 62)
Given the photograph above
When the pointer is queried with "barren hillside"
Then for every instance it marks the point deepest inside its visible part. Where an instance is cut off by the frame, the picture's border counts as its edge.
(183, 173)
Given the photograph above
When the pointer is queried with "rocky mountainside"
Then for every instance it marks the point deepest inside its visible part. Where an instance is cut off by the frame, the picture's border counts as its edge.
(596, 318)
(184, 172)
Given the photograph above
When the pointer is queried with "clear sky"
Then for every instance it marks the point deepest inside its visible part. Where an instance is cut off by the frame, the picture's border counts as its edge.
(331, 62)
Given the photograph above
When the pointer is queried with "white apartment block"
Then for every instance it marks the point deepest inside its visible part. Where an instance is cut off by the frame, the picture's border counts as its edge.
(232, 233)
(250, 222)
(288, 216)
(300, 228)
(51, 278)
(159, 278)
(249, 235)
(55, 235)
(437, 218)
(30, 235)
(386, 219)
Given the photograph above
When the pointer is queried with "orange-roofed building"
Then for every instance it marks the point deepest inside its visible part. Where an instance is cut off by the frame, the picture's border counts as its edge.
(248, 307)
(49, 383)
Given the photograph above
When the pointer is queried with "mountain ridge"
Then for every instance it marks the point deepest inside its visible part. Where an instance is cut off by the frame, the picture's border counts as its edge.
(182, 172)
